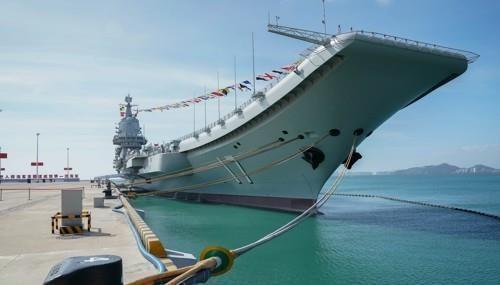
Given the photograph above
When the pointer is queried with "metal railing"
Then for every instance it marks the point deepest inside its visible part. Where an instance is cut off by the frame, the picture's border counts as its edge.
(4, 190)
(470, 56)
(237, 111)
(300, 34)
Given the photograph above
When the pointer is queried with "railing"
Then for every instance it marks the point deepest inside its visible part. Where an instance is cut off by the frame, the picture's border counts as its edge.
(210, 126)
(300, 34)
(470, 56)
(308, 51)
(28, 189)
(323, 39)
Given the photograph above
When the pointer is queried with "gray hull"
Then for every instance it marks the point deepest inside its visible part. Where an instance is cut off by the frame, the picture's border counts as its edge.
(357, 82)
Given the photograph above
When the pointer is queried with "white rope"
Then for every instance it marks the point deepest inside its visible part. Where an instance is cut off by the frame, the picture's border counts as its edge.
(229, 178)
(212, 165)
(308, 212)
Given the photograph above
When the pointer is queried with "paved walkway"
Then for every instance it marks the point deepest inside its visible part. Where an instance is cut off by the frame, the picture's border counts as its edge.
(28, 249)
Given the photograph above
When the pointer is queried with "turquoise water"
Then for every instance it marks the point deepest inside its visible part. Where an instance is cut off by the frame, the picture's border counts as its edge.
(357, 240)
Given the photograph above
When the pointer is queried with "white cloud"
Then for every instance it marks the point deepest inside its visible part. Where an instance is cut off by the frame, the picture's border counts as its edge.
(72, 99)
(482, 148)
(383, 2)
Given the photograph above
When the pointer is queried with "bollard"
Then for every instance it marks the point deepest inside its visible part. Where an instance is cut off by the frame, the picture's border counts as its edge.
(88, 222)
(29, 193)
(1, 196)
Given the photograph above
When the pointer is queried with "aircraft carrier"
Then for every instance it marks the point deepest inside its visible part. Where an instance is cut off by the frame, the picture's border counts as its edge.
(279, 148)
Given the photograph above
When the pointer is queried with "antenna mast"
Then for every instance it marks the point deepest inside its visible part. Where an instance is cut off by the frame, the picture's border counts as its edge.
(253, 64)
(194, 116)
(218, 97)
(235, 97)
(324, 17)
(205, 101)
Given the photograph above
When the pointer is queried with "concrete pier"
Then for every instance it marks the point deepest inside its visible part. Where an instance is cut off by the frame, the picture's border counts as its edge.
(28, 249)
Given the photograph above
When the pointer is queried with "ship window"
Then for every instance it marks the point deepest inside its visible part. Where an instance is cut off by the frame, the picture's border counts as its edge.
(285, 132)
(238, 143)
(334, 132)
(235, 146)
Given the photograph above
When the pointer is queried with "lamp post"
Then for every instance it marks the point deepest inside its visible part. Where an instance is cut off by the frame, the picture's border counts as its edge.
(1, 162)
(37, 178)
(67, 162)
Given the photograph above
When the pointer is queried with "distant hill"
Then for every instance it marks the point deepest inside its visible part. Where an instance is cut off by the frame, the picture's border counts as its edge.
(441, 169)
(479, 168)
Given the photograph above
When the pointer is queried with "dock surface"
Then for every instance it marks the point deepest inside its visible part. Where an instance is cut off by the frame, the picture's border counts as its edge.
(28, 249)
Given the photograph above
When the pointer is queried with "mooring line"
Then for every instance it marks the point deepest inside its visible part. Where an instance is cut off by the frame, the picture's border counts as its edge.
(238, 176)
(213, 164)
(465, 210)
(217, 260)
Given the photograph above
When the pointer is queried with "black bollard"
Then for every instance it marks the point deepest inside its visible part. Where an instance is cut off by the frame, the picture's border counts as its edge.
(84, 270)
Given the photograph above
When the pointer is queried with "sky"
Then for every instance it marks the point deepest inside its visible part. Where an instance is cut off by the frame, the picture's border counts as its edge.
(66, 65)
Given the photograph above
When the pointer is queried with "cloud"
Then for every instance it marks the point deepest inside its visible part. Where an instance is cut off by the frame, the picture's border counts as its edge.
(383, 2)
(481, 148)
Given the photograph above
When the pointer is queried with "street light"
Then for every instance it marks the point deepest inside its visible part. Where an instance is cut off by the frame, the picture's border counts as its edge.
(1, 161)
(67, 168)
(37, 178)
(67, 162)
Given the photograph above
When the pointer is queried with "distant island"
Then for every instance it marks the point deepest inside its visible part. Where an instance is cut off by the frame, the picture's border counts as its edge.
(441, 169)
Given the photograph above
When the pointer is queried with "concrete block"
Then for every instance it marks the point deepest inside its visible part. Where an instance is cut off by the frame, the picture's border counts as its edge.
(98, 202)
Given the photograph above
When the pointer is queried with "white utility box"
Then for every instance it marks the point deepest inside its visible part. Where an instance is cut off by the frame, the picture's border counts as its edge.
(71, 204)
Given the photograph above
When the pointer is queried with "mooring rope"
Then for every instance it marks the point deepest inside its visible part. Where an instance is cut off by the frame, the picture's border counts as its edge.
(211, 263)
(308, 212)
(242, 175)
(214, 261)
(218, 260)
(214, 258)
(422, 204)
(213, 164)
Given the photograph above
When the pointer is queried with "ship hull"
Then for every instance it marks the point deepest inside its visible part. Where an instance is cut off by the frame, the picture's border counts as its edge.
(352, 86)
(266, 202)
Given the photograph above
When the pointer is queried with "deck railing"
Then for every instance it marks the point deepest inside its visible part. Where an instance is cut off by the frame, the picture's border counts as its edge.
(470, 56)
(234, 112)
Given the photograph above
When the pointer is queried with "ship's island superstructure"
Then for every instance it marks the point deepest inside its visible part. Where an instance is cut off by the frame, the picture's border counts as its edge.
(279, 148)
(128, 138)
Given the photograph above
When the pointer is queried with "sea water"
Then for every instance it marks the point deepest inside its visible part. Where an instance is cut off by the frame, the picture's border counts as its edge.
(356, 240)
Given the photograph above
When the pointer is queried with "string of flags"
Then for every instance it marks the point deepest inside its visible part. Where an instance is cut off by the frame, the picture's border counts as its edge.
(243, 86)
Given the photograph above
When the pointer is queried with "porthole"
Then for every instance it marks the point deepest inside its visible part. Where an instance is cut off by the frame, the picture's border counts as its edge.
(334, 132)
